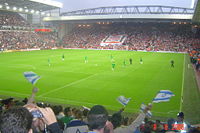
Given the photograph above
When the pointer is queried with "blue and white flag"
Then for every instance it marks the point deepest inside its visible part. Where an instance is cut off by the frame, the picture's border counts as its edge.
(123, 100)
(163, 96)
(31, 77)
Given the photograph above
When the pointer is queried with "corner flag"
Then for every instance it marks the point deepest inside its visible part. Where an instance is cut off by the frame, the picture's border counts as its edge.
(31, 77)
(163, 96)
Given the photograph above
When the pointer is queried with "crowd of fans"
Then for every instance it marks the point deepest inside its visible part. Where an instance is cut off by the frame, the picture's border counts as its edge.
(195, 58)
(12, 19)
(27, 116)
(150, 37)
(140, 36)
(15, 40)
(15, 35)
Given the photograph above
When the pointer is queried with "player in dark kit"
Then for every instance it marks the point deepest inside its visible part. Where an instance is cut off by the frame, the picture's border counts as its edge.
(130, 60)
(172, 63)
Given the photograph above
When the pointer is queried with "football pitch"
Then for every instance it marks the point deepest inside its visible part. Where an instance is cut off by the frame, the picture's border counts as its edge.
(74, 82)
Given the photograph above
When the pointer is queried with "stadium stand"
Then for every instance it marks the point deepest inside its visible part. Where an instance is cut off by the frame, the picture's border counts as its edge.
(15, 40)
(11, 38)
(12, 19)
(149, 37)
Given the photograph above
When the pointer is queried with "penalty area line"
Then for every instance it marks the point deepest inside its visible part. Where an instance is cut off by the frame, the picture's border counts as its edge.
(75, 82)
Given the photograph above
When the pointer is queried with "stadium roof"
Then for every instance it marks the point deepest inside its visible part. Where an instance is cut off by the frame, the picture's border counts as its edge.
(127, 12)
(196, 17)
(40, 5)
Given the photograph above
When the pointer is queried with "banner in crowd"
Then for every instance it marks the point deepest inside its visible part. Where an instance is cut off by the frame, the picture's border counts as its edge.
(113, 40)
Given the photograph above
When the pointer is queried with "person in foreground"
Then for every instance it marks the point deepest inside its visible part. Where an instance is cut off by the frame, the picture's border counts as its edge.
(98, 117)
(20, 120)
(98, 120)
(16, 120)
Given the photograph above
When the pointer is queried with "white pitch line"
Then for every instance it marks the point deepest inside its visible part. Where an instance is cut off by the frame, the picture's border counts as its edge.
(88, 103)
(183, 77)
(33, 67)
(22, 66)
(92, 104)
(75, 82)
(72, 101)
(10, 92)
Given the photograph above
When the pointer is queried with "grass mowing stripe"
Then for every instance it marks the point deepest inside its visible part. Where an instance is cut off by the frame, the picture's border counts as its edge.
(75, 82)
(183, 79)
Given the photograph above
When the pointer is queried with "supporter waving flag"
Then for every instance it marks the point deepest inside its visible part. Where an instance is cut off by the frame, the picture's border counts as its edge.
(123, 100)
(163, 96)
(31, 77)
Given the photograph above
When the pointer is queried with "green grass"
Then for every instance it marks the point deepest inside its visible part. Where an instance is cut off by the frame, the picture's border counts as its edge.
(75, 82)
(191, 95)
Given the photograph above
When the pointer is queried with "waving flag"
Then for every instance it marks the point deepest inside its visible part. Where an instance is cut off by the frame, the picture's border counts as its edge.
(31, 77)
(163, 96)
(123, 100)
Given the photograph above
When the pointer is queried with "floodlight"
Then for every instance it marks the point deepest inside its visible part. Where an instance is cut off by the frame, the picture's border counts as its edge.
(7, 7)
(43, 13)
(14, 8)
(20, 9)
(26, 10)
(32, 11)
(37, 12)
(1, 6)
(6, 4)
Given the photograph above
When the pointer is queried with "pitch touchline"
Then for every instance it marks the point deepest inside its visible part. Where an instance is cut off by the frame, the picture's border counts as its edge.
(75, 82)
(181, 101)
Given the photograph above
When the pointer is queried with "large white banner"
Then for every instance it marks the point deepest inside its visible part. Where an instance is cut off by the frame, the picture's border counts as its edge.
(113, 40)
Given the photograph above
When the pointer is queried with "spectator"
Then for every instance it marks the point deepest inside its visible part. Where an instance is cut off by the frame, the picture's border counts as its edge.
(16, 120)
(135, 124)
(77, 124)
(67, 116)
(180, 124)
(49, 119)
(97, 119)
